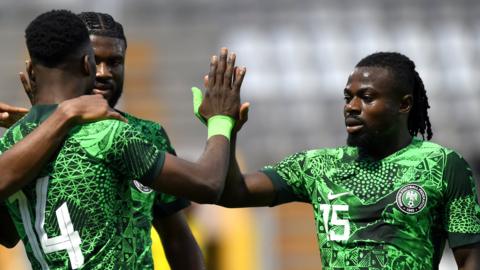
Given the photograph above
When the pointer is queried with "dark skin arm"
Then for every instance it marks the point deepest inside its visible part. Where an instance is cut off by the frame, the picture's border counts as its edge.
(467, 258)
(245, 190)
(203, 181)
(23, 162)
(242, 190)
(181, 248)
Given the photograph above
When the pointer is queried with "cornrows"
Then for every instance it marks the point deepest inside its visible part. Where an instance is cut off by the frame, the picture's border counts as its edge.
(102, 24)
(407, 80)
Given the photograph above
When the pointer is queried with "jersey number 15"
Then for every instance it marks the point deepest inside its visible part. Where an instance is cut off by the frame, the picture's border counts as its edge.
(335, 221)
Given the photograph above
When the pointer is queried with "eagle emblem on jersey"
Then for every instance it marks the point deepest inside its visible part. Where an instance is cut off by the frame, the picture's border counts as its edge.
(411, 199)
(142, 188)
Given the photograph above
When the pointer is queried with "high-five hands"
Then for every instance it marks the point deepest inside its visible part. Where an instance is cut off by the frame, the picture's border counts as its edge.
(223, 91)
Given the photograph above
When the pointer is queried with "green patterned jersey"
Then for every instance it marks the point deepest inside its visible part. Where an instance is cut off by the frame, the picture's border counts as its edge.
(395, 213)
(78, 213)
(147, 202)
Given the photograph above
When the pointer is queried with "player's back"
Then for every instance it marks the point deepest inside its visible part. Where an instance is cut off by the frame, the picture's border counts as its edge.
(77, 213)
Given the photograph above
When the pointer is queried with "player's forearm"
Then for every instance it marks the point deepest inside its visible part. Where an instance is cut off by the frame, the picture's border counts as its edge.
(181, 248)
(468, 258)
(24, 161)
(200, 181)
(245, 190)
(234, 182)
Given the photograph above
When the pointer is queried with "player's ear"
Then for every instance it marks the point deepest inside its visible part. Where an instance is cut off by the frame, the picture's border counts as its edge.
(406, 104)
(86, 65)
(29, 69)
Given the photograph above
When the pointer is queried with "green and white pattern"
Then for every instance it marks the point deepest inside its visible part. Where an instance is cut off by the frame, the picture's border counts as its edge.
(78, 214)
(395, 213)
(145, 199)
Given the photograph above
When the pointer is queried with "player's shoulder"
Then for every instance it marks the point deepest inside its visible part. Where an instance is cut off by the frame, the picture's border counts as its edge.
(100, 137)
(153, 131)
(100, 128)
(140, 122)
(432, 148)
(332, 153)
(443, 155)
(17, 132)
(322, 155)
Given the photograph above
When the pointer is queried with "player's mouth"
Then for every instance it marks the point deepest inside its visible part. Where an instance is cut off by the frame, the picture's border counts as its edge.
(104, 89)
(353, 124)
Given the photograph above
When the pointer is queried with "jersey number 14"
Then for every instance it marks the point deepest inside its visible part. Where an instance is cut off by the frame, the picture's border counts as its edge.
(68, 240)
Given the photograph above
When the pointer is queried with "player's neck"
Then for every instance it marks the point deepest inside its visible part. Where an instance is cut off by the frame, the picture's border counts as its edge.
(57, 87)
(385, 147)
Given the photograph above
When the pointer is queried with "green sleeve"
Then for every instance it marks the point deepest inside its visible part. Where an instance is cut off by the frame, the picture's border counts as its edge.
(462, 211)
(165, 142)
(288, 179)
(166, 204)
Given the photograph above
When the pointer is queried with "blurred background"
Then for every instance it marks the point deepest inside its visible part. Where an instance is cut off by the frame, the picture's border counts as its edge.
(298, 55)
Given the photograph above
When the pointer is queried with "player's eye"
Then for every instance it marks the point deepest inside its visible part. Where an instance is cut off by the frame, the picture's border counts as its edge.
(367, 98)
(347, 98)
(116, 62)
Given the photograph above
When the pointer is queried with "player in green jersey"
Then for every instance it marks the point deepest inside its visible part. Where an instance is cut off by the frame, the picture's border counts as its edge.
(387, 200)
(182, 251)
(85, 181)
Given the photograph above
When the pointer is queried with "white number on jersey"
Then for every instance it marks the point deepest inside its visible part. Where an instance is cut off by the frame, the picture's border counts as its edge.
(68, 240)
(334, 220)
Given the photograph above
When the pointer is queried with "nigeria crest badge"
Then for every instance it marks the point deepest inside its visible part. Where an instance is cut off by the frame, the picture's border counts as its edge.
(411, 199)
(142, 188)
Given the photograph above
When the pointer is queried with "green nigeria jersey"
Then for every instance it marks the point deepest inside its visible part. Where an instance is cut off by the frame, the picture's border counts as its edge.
(78, 213)
(395, 213)
(146, 201)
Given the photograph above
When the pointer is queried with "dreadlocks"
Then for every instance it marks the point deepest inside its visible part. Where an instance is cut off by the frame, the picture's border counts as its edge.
(407, 80)
(102, 24)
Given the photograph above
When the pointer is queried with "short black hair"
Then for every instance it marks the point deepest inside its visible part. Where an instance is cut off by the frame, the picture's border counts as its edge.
(53, 35)
(102, 24)
(406, 79)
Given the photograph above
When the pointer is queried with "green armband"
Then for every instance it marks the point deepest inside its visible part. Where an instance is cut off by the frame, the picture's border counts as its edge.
(220, 125)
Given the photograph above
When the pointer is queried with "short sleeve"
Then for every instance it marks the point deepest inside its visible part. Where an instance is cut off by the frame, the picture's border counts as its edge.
(165, 142)
(462, 211)
(135, 156)
(165, 204)
(288, 179)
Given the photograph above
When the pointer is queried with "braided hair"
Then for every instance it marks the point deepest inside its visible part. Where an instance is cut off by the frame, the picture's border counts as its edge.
(408, 80)
(102, 24)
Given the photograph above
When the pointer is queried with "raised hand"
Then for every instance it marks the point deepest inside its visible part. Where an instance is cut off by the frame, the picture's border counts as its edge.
(9, 114)
(243, 113)
(223, 90)
(89, 108)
